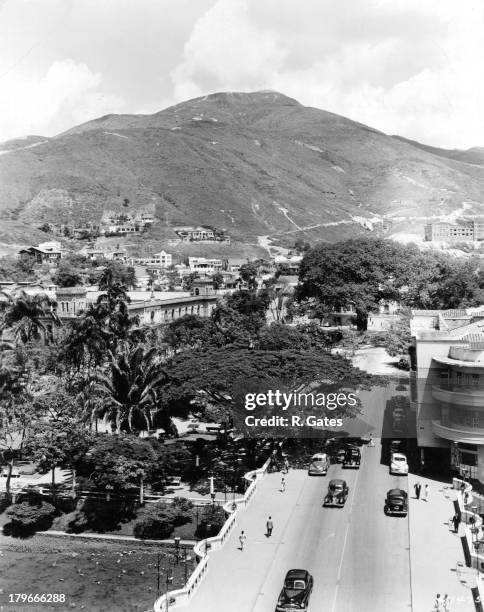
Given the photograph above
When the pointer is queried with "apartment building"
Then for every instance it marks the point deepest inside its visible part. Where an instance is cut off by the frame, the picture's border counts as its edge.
(451, 232)
(447, 387)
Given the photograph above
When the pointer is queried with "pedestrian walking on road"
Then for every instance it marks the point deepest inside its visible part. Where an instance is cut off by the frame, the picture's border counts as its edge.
(426, 493)
(286, 465)
(418, 487)
(456, 522)
(283, 485)
(371, 442)
(242, 539)
(438, 603)
(446, 603)
(269, 527)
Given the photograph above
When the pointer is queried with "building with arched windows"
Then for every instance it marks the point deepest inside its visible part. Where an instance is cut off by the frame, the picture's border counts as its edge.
(152, 309)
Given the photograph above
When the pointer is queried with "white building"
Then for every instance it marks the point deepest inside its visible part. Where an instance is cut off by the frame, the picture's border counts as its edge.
(202, 264)
(161, 260)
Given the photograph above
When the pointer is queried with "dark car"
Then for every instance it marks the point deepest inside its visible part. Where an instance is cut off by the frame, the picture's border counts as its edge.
(396, 502)
(397, 446)
(337, 493)
(296, 591)
(352, 457)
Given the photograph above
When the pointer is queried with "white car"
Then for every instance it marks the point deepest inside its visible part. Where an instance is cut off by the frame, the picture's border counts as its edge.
(398, 464)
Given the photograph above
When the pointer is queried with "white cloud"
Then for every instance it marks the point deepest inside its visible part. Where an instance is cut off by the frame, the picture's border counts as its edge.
(403, 66)
(67, 94)
(224, 50)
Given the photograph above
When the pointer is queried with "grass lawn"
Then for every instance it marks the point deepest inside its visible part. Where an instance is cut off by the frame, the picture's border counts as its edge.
(94, 576)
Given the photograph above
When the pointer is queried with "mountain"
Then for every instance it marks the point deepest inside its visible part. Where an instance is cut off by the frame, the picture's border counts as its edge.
(256, 164)
(475, 155)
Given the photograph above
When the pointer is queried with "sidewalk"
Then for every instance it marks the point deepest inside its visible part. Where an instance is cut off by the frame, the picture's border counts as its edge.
(434, 549)
(231, 570)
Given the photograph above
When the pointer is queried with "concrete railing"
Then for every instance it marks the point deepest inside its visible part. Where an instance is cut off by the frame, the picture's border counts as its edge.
(203, 548)
(471, 533)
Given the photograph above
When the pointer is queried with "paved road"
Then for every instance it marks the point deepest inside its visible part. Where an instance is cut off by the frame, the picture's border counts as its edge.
(359, 557)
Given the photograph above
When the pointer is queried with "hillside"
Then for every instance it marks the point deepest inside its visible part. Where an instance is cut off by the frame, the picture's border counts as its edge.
(257, 164)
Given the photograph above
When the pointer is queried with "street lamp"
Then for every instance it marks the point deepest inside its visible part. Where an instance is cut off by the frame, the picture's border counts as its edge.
(212, 490)
(186, 559)
(177, 548)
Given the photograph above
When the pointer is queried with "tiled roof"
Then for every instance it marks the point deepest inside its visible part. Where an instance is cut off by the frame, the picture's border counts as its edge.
(465, 330)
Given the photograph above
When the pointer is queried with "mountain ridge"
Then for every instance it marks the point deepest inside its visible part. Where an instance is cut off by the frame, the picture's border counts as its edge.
(255, 164)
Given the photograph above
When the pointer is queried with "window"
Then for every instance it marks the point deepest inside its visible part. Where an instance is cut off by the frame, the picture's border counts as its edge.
(152, 316)
(459, 379)
(475, 419)
(475, 380)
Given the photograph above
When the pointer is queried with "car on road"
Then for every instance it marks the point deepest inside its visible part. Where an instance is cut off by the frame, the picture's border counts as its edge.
(337, 493)
(397, 446)
(296, 591)
(319, 465)
(352, 457)
(398, 464)
(396, 502)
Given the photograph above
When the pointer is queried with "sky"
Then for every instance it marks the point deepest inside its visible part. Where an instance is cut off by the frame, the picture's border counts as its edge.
(407, 67)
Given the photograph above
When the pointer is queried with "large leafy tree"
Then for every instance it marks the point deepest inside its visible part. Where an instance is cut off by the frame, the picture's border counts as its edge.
(360, 272)
(16, 414)
(131, 389)
(57, 443)
(222, 376)
(118, 462)
(364, 271)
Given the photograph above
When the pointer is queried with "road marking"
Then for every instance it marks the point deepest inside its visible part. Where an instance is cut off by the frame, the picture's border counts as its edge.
(340, 567)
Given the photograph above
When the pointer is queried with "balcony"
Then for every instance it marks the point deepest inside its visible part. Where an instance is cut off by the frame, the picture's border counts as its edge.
(458, 396)
(467, 435)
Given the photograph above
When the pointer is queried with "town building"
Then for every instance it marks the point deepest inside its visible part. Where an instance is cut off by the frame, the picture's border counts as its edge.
(45, 252)
(152, 308)
(159, 260)
(385, 317)
(194, 234)
(203, 264)
(290, 263)
(442, 231)
(447, 388)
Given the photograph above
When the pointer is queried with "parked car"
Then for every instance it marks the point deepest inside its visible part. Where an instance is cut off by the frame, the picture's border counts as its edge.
(319, 465)
(398, 464)
(336, 448)
(397, 446)
(296, 591)
(396, 502)
(337, 493)
(352, 457)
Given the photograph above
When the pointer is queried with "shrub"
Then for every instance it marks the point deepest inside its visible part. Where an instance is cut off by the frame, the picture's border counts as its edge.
(101, 515)
(72, 522)
(29, 517)
(211, 522)
(182, 510)
(156, 521)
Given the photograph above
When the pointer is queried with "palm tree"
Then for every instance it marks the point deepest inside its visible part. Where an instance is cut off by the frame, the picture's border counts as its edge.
(87, 341)
(28, 316)
(132, 388)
